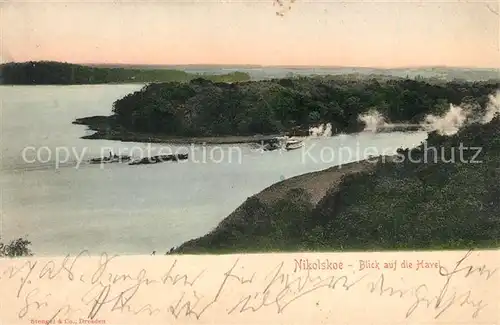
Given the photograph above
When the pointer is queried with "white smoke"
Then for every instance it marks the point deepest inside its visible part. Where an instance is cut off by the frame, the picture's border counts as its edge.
(459, 116)
(373, 121)
(492, 108)
(323, 130)
(449, 123)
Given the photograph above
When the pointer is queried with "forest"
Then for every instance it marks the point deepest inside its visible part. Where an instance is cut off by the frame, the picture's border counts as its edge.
(206, 108)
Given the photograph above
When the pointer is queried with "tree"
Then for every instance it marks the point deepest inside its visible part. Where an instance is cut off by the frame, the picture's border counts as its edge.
(16, 248)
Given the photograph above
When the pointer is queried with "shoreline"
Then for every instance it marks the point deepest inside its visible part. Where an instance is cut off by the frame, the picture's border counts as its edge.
(220, 140)
(106, 128)
(145, 138)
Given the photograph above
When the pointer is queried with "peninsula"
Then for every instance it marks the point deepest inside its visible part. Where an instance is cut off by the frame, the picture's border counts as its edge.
(218, 112)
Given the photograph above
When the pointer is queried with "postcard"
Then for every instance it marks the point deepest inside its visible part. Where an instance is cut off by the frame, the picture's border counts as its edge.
(249, 162)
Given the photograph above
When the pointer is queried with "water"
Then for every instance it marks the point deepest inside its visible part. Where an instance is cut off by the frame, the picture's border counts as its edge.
(133, 209)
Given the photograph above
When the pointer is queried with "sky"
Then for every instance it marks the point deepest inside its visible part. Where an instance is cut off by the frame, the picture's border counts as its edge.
(363, 33)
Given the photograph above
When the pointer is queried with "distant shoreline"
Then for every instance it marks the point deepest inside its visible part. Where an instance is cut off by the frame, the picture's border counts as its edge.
(62, 73)
(73, 85)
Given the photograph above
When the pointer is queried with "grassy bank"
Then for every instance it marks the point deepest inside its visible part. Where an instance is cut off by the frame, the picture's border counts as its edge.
(388, 205)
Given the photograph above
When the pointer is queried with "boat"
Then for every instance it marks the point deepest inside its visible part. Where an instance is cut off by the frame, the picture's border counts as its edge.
(158, 159)
(97, 160)
(182, 156)
(111, 159)
(282, 143)
(272, 145)
(293, 144)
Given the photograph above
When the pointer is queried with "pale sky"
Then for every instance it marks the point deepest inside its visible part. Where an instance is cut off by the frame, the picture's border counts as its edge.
(327, 33)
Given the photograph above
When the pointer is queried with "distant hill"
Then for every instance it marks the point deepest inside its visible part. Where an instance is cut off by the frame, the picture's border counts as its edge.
(438, 73)
(258, 72)
(58, 73)
(48, 72)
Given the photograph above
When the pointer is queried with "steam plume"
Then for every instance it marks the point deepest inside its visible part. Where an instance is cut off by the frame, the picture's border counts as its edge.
(459, 116)
(323, 130)
(492, 108)
(449, 123)
(373, 120)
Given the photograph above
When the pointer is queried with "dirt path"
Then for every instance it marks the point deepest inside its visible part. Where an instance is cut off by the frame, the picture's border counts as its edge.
(316, 183)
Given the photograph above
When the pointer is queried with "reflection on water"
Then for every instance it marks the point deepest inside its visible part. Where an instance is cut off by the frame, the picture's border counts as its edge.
(134, 209)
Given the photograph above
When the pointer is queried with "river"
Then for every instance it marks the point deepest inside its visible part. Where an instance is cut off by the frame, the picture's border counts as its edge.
(64, 206)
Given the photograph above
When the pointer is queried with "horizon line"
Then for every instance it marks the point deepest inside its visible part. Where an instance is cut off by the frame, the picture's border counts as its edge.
(266, 66)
